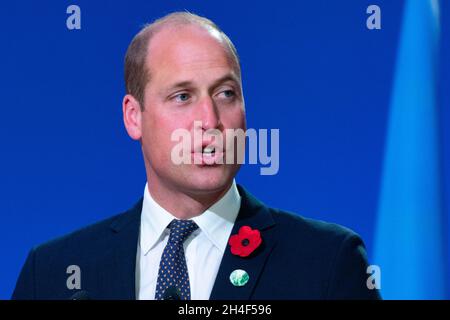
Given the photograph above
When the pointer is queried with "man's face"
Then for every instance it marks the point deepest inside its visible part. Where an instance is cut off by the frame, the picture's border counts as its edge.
(192, 78)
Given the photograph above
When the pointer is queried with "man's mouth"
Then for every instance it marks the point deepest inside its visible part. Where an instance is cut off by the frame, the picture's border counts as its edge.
(208, 155)
(209, 151)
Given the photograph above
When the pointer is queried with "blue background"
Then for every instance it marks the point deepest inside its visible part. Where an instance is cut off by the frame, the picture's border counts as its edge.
(310, 68)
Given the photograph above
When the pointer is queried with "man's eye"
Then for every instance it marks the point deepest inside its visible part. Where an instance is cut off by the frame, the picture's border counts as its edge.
(182, 97)
(228, 93)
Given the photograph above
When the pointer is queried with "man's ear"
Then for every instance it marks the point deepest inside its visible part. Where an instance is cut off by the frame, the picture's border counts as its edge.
(132, 116)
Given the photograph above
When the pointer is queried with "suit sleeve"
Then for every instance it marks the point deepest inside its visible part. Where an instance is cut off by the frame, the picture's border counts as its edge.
(25, 286)
(349, 275)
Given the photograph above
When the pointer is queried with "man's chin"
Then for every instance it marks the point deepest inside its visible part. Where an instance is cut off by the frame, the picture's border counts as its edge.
(210, 182)
(207, 187)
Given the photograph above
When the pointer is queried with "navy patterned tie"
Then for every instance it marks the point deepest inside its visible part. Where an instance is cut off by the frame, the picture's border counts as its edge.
(173, 271)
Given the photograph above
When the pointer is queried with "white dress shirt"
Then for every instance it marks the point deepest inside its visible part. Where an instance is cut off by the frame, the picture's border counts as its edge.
(204, 248)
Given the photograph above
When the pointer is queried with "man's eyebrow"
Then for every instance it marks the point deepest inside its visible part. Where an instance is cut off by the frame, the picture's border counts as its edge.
(180, 85)
(225, 78)
(189, 83)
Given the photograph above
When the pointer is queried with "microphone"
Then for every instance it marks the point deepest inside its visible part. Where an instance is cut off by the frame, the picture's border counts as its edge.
(172, 293)
(80, 295)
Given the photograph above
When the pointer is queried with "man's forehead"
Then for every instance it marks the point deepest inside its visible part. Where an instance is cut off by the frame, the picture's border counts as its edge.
(186, 42)
(189, 32)
(188, 47)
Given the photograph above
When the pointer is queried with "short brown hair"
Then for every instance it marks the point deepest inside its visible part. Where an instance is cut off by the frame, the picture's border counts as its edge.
(137, 74)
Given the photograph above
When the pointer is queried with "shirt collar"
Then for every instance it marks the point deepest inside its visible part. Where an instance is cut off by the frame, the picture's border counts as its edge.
(216, 222)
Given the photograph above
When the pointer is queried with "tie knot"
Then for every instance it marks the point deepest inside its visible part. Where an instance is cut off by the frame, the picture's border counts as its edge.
(181, 229)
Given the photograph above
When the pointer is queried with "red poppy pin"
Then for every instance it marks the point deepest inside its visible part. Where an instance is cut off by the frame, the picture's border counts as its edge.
(245, 242)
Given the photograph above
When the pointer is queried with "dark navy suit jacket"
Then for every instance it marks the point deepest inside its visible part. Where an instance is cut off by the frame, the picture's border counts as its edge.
(299, 258)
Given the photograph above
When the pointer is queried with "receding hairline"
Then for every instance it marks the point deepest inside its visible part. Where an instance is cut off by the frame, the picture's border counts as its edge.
(177, 19)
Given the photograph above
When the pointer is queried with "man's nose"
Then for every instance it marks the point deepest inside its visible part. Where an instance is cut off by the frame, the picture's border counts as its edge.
(210, 116)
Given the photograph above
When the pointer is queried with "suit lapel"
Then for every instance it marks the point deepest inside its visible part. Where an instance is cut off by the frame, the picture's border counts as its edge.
(125, 240)
(256, 215)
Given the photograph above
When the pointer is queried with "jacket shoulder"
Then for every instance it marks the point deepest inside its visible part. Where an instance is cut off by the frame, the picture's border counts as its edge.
(44, 272)
(85, 240)
(86, 234)
(330, 258)
(300, 226)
